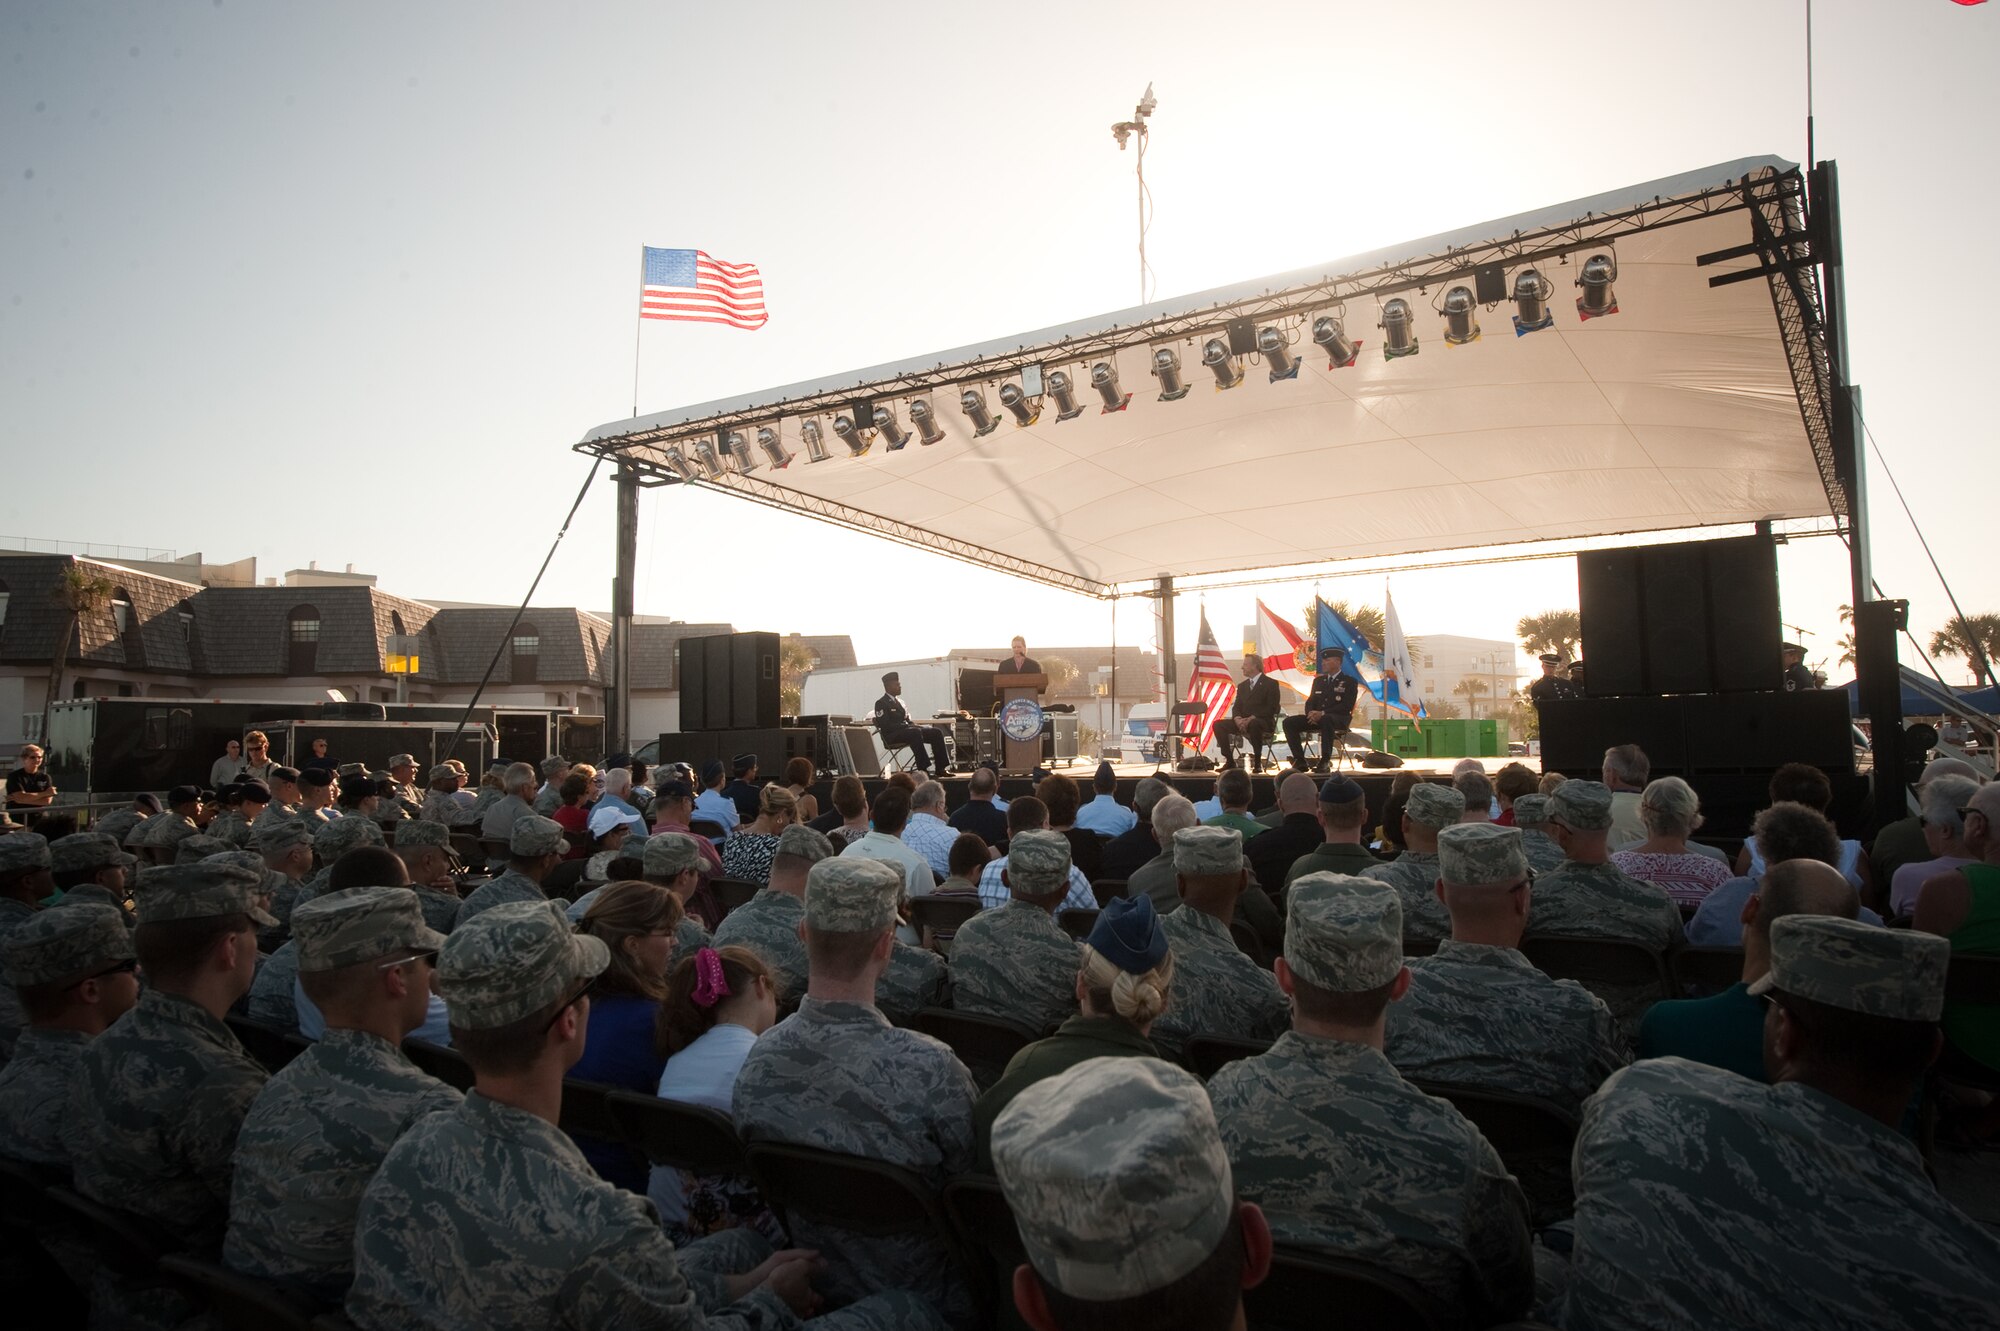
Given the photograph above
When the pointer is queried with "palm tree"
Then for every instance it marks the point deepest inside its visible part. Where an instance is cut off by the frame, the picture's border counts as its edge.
(1367, 618)
(1472, 688)
(1524, 719)
(1060, 670)
(795, 661)
(1974, 637)
(1442, 709)
(81, 590)
(1846, 643)
(1558, 631)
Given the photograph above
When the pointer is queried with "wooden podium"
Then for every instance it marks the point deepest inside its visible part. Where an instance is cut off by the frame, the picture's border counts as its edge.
(1020, 757)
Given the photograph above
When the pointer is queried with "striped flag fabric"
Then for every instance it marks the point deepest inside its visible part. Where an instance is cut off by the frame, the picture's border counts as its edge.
(691, 286)
(1210, 682)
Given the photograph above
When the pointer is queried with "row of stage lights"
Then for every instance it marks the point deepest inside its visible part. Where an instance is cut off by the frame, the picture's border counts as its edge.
(1531, 296)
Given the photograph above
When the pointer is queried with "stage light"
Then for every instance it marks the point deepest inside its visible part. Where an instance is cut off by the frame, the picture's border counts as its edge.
(1398, 338)
(736, 451)
(1277, 352)
(891, 428)
(1531, 302)
(924, 417)
(857, 441)
(677, 462)
(704, 455)
(1331, 334)
(815, 441)
(1026, 410)
(1064, 392)
(1104, 378)
(1598, 299)
(973, 403)
(1215, 355)
(1167, 369)
(1461, 321)
(774, 448)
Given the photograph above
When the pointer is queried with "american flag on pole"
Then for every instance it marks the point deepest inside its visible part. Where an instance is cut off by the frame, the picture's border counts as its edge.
(689, 285)
(1210, 683)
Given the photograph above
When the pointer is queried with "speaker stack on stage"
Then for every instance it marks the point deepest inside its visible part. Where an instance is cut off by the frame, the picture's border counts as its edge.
(729, 706)
(1681, 657)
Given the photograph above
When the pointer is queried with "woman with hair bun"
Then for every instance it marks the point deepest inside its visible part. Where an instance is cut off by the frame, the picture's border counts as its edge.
(1122, 986)
(719, 1000)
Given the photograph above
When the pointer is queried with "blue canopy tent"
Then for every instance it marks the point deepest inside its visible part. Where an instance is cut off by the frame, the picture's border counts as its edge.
(1924, 696)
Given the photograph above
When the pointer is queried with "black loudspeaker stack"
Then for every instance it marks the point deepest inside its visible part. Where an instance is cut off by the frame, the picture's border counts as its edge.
(774, 746)
(1699, 617)
(729, 682)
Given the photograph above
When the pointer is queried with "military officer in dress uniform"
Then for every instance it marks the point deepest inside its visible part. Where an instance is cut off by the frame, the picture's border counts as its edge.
(892, 722)
(1329, 710)
(1551, 685)
(1797, 677)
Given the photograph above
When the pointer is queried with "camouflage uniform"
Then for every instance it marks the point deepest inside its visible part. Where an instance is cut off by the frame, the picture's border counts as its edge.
(1414, 873)
(529, 838)
(1217, 990)
(159, 1097)
(1602, 901)
(1530, 814)
(321, 1126)
(117, 824)
(231, 826)
(13, 1019)
(481, 802)
(442, 806)
(489, 1216)
(271, 1001)
(767, 924)
(34, 1086)
(1346, 1156)
(1483, 1016)
(1015, 963)
(440, 908)
(1705, 1199)
(840, 1077)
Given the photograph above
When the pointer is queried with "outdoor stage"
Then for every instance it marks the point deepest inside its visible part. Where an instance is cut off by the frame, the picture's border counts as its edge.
(1666, 358)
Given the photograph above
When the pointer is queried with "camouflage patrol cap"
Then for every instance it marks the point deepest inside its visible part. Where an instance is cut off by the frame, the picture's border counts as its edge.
(804, 843)
(1117, 1176)
(23, 852)
(1201, 851)
(200, 847)
(851, 894)
(54, 945)
(251, 860)
(1476, 854)
(1343, 934)
(1037, 863)
(88, 850)
(511, 961)
(443, 772)
(275, 836)
(420, 832)
(668, 855)
(1531, 810)
(1896, 973)
(200, 891)
(1583, 805)
(336, 838)
(1433, 805)
(361, 924)
(535, 835)
(89, 894)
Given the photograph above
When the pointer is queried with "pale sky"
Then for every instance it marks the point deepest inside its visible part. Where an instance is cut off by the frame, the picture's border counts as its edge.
(345, 283)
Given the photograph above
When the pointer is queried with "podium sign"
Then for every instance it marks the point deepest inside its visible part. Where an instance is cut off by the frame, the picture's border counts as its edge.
(1020, 721)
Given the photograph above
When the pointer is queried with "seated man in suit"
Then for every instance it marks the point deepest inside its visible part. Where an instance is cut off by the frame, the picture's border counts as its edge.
(1254, 716)
(892, 722)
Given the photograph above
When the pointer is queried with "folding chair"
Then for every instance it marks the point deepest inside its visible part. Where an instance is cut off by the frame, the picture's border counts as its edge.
(678, 1136)
(1206, 1054)
(984, 1044)
(584, 1113)
(1701, 971)
(447, 1065)
(866, 1196)
(733, 892)
(128, 1246)
(26, 1215)
(565, 878)
(986, 1231)
(1970, 979)
(243, 1303)
(1077, 923)
(707, 827)
(492, 848)
(1107, 890)
(1247, 942)
(941, 915)
(267, 1044)
(1420, 947)
(1594, 962)
(1308, 1290)
(469, 848)
(1533, 1136)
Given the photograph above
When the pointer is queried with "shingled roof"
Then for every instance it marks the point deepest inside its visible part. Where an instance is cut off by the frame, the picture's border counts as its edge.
(154, 638)
(654, 655)
(244, 630)
(574, 644)
(831, 651)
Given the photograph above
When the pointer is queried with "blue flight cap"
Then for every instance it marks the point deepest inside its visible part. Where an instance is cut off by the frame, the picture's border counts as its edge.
(1129, 936)
(1340, 790)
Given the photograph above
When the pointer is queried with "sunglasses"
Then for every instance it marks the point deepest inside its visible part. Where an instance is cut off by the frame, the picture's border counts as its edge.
(589, 986)
(122, 968)
(428, 958)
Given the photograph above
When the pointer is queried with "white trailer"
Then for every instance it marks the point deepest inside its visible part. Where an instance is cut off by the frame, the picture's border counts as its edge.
(930, 686)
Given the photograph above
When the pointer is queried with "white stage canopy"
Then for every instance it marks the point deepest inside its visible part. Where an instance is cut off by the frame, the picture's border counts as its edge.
(1693, 405)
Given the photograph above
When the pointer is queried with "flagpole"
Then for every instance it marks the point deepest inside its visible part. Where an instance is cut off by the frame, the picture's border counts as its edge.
(638, 324)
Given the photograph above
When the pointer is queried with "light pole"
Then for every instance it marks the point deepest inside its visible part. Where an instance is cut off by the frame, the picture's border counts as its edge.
(1122, 131)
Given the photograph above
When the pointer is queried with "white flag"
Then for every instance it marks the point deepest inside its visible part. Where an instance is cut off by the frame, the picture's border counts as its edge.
(1396, 657)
